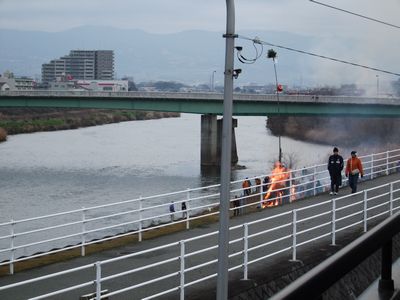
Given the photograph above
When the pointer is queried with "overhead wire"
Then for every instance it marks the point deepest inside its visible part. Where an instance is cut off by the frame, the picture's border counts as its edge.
(257, 40)
(245, 60)
(355, 14)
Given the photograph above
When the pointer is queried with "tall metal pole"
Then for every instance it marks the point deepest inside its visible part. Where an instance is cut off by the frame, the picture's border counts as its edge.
(280, 123)
(212, 81)
(223, 238)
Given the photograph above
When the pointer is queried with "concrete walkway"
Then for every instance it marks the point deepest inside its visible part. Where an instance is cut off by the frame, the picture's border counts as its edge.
(208, 287)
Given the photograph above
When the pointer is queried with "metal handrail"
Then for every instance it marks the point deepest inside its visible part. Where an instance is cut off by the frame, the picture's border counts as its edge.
(295, 222)
(198, 201)
(312, 284)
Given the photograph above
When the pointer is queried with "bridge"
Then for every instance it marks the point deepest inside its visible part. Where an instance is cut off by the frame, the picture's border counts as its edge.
(209, 105)
(182, 264)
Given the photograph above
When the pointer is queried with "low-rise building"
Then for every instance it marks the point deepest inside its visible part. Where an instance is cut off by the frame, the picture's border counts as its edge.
(8, 82)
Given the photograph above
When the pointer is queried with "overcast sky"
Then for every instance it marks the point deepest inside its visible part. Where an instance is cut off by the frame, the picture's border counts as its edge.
(166, 16)
(169, 16)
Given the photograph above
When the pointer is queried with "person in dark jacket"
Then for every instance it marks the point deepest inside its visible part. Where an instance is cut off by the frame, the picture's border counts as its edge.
(335, 167)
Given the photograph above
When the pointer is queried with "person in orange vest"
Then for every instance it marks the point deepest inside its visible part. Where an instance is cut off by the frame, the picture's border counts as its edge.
(354, 169)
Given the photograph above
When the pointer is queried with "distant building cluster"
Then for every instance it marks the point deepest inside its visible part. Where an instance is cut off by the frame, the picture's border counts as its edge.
(80, 70)
(8, 82)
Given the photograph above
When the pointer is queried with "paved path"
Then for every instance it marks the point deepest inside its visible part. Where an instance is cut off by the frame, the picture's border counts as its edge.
(31, 290)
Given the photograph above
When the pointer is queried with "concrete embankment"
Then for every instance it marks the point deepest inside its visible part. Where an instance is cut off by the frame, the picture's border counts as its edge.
(274, 278)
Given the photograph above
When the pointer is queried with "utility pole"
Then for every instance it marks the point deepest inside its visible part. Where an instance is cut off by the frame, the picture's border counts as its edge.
(223, 237)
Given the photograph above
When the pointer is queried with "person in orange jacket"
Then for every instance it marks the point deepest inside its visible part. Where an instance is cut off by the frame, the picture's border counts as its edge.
(354, 169)
(246, 185)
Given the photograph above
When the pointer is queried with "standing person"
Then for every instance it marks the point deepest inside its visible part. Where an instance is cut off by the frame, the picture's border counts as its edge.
(335, 167)
(236, 205)
(246, 185)
(172, 210)
(183, 208)
(354, 169)
(258, 184)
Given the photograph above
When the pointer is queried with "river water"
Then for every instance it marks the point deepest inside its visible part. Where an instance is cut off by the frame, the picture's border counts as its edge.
(50, 172)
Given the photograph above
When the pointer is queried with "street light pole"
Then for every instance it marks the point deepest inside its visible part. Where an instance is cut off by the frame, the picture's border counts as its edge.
(212, 81)
(223, 237)
(377, 85)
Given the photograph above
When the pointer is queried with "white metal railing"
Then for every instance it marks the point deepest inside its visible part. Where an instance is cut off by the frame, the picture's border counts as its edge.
(24, 239)
(191, 261)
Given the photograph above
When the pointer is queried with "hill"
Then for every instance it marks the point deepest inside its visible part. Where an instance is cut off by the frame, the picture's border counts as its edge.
(189, 56)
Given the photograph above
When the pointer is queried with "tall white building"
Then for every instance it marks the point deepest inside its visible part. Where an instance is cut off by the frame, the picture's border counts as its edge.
(81, 65)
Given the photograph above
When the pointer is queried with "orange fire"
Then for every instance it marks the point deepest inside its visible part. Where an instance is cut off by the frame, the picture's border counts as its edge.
(277, 186)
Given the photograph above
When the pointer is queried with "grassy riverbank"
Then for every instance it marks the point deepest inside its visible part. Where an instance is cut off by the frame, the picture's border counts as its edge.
(15, 121)
(339, 131)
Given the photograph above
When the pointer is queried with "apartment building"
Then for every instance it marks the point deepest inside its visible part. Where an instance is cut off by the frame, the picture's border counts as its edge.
(81, 65)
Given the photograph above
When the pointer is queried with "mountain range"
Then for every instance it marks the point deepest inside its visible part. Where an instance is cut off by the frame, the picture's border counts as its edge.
(190, 56)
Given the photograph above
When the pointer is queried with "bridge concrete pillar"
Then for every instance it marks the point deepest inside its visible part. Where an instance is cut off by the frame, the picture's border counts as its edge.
(211, 141)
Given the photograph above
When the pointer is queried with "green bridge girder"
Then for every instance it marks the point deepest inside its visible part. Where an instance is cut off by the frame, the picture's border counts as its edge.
(207, 103)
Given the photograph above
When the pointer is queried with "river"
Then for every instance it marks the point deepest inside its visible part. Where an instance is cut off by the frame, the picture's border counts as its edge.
(50, 172)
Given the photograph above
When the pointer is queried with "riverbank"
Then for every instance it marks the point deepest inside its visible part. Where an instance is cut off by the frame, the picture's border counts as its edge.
(15, 121)
(347, 132)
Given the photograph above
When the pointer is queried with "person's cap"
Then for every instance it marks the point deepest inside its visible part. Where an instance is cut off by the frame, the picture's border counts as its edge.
(353, 152)
(335, 149)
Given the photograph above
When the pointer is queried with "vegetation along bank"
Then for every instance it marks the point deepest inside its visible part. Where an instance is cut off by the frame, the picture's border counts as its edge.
(14, 121)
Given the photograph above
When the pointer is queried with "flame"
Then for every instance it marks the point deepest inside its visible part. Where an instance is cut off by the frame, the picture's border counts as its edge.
(277, 186)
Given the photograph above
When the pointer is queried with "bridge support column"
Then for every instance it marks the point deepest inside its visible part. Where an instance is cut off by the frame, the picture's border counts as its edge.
(211, 139)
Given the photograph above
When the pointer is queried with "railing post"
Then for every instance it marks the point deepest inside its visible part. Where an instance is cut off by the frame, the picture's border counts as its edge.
(182, 272)
(12, 250)
(261, 192)
(83, 240)
(245, 251)
(290, 186)
(98, 280)
(294, 232)
(333, 222)
(187, 209)
(372, 166)
(391, 199)
(315, 180)
(365, 211)
(387, 162)
(140, 219)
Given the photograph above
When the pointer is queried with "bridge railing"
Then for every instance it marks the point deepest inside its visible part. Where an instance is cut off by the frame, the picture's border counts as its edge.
(178, 266)
(21, 240)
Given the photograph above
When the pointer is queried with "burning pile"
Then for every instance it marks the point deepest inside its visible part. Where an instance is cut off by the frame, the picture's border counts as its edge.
(279, 187)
